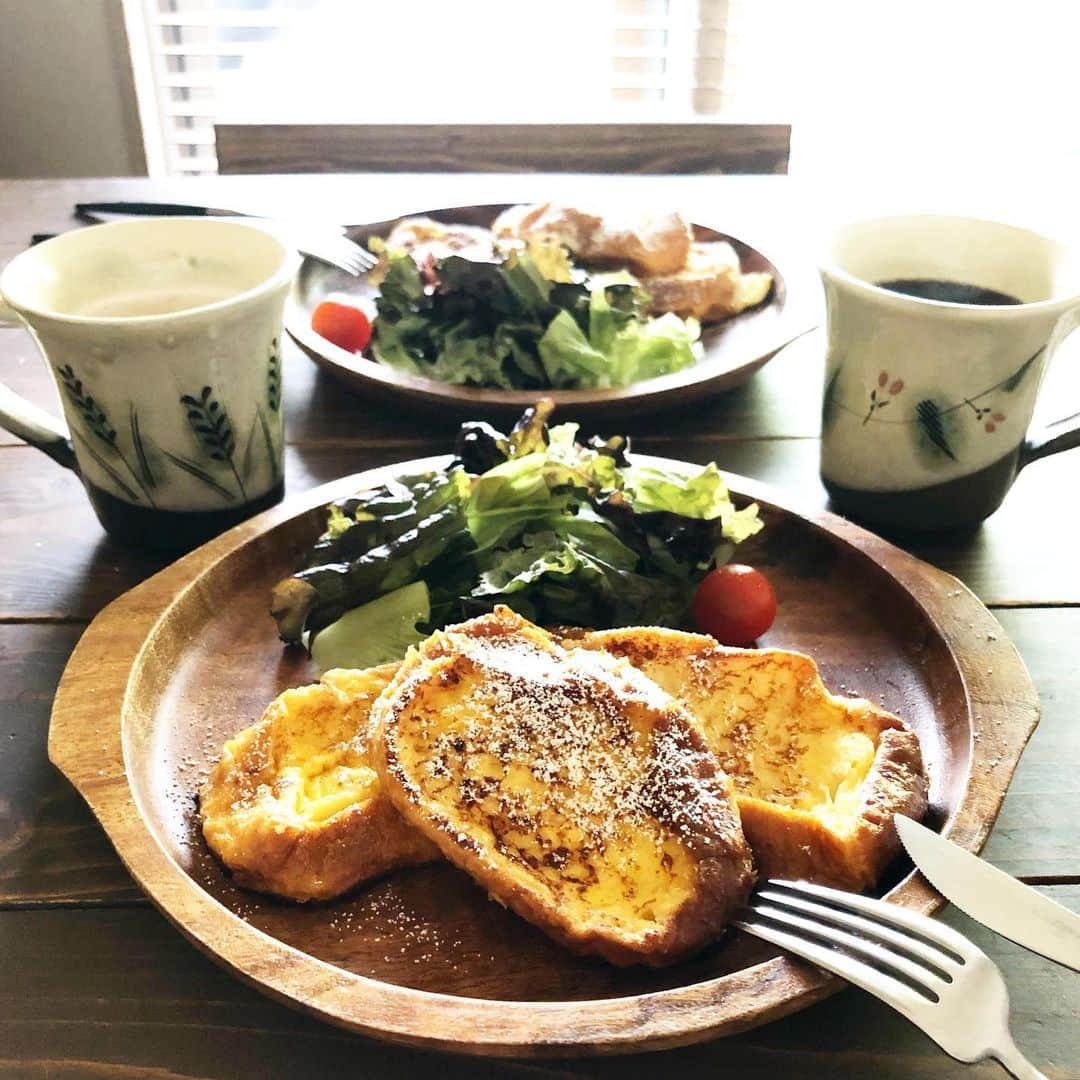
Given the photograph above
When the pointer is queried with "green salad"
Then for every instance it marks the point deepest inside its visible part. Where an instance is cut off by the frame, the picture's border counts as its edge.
(528, 321)
(563, 532)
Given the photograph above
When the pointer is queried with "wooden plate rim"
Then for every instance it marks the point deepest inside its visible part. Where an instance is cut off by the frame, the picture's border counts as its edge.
(86, 743)
(796, 318)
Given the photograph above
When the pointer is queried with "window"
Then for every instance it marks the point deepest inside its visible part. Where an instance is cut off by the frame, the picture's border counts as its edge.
(198, 61)
(926, 102)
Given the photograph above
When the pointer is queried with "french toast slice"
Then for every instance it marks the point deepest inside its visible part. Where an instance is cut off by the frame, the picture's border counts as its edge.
(294, 806)
(818, 777)
(547, 221)
(570, 786)
(424, 238)
(710, 286)
(646, 243)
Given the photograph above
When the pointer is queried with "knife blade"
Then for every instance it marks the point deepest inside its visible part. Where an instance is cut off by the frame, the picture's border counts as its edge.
(103, 213)
(120, 211)
(990, 896)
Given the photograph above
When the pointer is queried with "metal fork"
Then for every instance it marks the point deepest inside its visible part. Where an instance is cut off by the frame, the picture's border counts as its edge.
(328, 245)
(926, 971)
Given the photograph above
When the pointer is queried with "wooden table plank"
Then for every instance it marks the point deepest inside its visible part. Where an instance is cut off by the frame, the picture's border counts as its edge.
(766, 204)
(59, 564)
(782, 400)
(767, 210)
(1044, 795)
(772, 206)
(145, 998)
(109, 989)
(52, 850)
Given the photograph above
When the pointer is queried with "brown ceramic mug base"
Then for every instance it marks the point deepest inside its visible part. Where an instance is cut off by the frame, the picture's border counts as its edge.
(956, 504)
(172, 531)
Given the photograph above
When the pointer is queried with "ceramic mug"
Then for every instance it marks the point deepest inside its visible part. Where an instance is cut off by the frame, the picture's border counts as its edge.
(928, 401)
(163, 336)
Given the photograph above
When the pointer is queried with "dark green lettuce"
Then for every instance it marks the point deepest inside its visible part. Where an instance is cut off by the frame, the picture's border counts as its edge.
(505, 325)
(565, 533)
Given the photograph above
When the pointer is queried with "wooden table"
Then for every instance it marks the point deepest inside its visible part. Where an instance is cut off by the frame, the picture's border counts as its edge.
(94, 982)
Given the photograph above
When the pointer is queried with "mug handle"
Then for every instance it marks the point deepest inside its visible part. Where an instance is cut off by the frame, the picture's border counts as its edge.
(1046, 442)
(29, 422)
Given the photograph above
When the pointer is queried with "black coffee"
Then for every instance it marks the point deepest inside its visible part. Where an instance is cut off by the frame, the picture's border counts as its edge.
(947, 292)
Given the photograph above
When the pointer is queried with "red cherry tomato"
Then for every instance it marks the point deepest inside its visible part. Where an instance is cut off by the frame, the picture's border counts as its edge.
(736, 604)
(343, 325)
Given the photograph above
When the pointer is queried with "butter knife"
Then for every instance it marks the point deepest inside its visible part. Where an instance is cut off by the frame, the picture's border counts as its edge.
(104, 212)
(990, 896)
(115, 211)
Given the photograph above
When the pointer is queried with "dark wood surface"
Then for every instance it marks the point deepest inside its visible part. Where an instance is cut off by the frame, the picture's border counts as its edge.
(697, 147)
(96, 983)
(732, 350)
(175, 667)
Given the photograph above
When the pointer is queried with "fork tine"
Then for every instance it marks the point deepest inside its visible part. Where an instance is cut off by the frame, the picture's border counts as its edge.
(322, 253)
(356, 254)
(341, 258)
(867, 950)
(341, 250)
(880, 931)
(336, 250)
(967, 1012)
(890, 914)
(893, 992)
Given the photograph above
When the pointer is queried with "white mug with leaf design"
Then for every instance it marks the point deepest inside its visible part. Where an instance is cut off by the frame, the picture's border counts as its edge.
(163, 336)
(939, 331)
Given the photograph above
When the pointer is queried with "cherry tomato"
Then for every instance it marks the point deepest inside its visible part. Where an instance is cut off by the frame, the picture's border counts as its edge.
(343, 325)
(736, 604)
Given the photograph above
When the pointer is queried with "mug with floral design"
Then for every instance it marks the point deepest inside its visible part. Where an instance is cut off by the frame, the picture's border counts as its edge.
(163, 336)
(939, 330)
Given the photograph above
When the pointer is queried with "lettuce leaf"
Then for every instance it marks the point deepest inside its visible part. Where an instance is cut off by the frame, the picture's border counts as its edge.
(616, 351)
(702, 495)
(565, 533)
(506, 325)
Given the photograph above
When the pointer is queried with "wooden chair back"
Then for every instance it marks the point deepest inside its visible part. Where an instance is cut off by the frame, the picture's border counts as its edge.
(697, 147)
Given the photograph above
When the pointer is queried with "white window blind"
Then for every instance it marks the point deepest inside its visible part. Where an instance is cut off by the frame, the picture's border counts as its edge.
(279, 61)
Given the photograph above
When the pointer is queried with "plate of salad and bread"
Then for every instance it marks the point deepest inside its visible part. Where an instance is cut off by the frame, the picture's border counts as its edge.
(480, 309)
(483, 752)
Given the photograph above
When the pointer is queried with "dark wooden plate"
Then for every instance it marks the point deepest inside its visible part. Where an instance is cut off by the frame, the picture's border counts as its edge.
(170, 670)
(734, 349)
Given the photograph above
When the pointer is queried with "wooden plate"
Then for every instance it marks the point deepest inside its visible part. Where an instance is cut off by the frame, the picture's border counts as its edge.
(734, 349)
(170, 670)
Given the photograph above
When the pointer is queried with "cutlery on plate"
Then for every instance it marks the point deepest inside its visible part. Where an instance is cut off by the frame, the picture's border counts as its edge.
(990, 896)
(928, 972)
(316, 239)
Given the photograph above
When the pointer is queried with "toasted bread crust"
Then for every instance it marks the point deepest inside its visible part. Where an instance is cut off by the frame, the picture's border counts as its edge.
(794, 844)
(648, 244)
(577, 793)
(709, 286)
(564, 225)
(845, 839)
(424, 238)
(279, 852)
(258, 819)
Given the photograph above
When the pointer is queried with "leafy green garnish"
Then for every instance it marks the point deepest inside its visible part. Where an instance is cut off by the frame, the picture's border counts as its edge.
(561, 532)
(376, 632)
(506, 325)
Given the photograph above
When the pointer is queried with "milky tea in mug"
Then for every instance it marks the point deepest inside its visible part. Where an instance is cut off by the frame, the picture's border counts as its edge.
(164, 337)
(939, 330)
